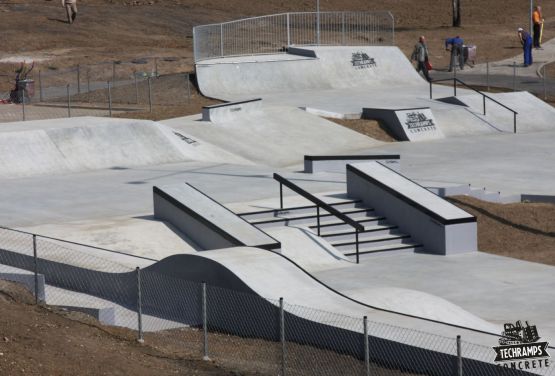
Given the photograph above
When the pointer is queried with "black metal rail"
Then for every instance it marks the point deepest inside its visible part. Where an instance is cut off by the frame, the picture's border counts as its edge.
(484, 96)
(319, 204)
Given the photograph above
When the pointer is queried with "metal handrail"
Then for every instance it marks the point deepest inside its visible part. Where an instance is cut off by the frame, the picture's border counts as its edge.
(484, 96)
(319, 204)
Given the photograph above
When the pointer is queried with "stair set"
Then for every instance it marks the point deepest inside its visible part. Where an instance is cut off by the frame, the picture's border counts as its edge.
(378, 236)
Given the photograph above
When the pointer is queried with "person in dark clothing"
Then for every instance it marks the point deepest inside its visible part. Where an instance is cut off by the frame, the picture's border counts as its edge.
(526, 41)
(457, 55)
(420, 55)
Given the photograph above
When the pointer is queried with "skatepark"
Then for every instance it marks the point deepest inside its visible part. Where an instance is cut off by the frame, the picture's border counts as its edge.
(266, 194)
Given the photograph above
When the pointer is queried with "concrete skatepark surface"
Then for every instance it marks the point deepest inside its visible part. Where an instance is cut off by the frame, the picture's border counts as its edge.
(95, 177)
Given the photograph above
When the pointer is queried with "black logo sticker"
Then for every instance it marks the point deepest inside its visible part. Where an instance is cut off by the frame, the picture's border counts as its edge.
(184, 138)
(361, 60)
(418, 122)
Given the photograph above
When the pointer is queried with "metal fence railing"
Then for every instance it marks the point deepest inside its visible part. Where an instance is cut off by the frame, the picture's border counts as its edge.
(100, 89)
(274, 33)
(237, 329)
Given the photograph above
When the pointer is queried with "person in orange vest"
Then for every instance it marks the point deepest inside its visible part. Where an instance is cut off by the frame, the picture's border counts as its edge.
(71, 10)
(537, 19)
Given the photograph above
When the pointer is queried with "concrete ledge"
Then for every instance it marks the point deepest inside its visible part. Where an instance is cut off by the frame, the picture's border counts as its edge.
(106, 316)
(301, 52)
(28, 280)
(408, 124)
(440, 226)
(222, 112)
(338, 163)
(204, 220)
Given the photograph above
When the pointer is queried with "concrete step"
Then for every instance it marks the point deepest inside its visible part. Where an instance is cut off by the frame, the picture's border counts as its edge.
(296, 210)
(350, 234)
(400, 248)
(342, 226)
(376, 241)
(288, 219)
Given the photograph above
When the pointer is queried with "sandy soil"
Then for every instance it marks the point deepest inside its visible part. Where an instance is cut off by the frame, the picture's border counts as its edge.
(45, 340)
(370, 128)
(108, 30)
(524, 231)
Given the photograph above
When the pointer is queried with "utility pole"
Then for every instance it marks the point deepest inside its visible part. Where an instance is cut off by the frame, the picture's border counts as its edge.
(456, 13)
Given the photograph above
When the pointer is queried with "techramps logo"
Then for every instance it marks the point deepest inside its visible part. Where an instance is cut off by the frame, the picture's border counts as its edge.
(418, 122)
(361, 60)
(519, 348)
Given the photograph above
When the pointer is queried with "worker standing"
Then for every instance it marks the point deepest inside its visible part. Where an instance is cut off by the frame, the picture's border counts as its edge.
(420, 55)
(526, 41)
(537, 18)
(71, 10)
(457, 55)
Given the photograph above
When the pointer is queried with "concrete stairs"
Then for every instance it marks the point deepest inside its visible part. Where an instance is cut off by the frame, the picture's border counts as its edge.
(379, 236)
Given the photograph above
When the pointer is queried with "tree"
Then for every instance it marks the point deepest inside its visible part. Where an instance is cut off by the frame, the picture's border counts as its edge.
(456, 13)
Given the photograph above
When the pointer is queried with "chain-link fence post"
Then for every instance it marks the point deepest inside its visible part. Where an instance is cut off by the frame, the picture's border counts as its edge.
(459, 357)
(78, 79)
(487, 74)
(156, 67)
(366, 346)
(136, 87)
(205, 322)
(109, 98)
(139, 307)
(282, 337)
(514, 75)
(544, 84)
(113, 71)
(36, 269)
(149, 94)
(22, 101)
(68, 102)
(188, 88)
(40, 86)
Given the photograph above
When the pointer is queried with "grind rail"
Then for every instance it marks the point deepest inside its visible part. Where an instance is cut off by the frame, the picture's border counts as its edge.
(484, 96)
(319, 205)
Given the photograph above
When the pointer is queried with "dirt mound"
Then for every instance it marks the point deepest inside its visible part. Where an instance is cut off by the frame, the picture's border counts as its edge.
(524, 231)
(36, 340)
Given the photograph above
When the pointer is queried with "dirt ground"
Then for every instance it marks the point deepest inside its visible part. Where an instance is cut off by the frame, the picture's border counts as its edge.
(45, 340)
(37, 340)
(107, 30)
(524, 231)
(370, 128)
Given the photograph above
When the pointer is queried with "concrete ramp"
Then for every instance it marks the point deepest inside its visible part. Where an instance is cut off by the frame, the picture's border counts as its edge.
(534, 115)
(276, 136)
(408, 124)
(272, 276)
(87, 143)
(305, 69)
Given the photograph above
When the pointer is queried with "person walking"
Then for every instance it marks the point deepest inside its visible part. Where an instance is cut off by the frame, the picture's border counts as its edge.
(537, 18)
(526, 41)
(71, 10)
(457, 55)
(420, 55)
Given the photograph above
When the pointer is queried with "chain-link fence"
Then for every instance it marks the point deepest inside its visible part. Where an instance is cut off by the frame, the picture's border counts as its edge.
(274, 33)
(102, 89)
(238, 329)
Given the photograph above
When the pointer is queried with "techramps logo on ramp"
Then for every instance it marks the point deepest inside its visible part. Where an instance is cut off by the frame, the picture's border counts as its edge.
(361, 60)
(520, 348)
